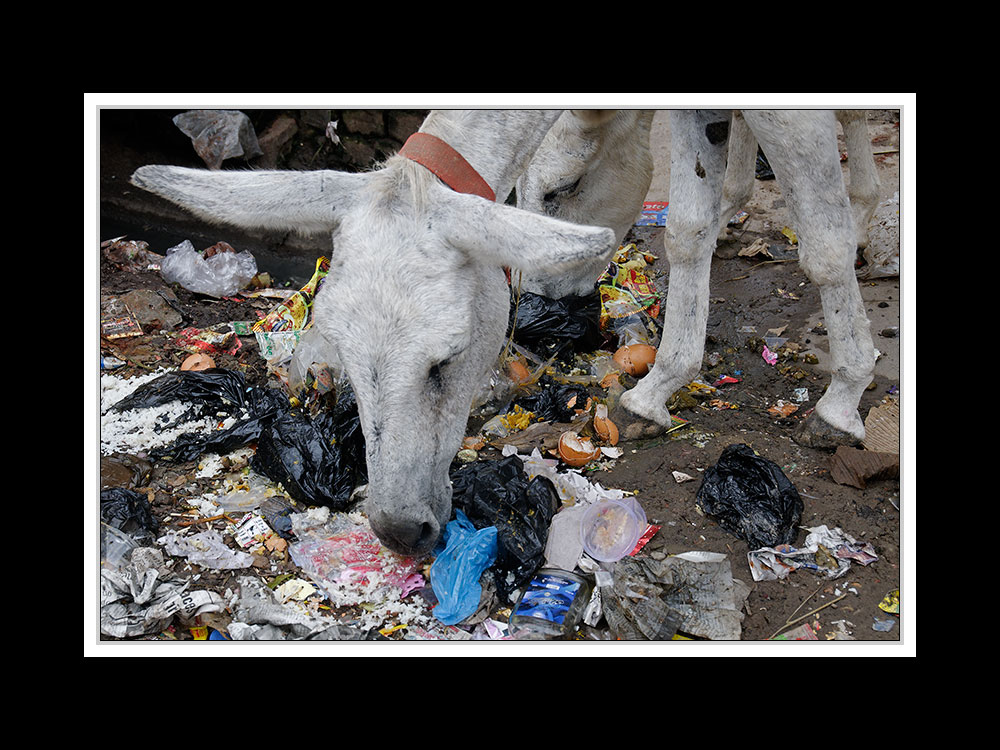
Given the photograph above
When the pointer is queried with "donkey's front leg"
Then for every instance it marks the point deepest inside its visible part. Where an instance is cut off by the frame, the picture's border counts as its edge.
(697, 168)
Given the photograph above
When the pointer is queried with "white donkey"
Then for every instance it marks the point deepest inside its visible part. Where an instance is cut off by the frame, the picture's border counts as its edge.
(595, 166)
(415, 306)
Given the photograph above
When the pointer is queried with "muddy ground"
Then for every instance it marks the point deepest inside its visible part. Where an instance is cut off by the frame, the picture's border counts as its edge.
(745, 293)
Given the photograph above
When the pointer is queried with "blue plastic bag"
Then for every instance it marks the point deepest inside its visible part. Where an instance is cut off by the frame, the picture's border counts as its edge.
(455, 572)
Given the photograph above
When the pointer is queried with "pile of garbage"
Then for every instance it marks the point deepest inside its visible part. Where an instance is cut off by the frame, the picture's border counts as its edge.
(535, 549)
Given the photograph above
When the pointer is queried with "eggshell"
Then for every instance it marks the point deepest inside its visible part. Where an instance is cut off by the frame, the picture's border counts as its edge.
(604, 428)
(577, 451)
(635, 359)
(518, 372)
(198, 361)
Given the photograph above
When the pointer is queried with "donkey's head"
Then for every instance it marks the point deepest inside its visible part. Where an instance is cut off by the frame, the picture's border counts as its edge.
(413, 310)
(593, 167)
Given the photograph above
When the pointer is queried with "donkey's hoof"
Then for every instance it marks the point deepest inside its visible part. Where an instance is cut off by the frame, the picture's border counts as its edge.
(632, 427)
(817, 433)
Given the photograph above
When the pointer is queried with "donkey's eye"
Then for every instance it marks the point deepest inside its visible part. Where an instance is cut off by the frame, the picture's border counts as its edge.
(563, 190)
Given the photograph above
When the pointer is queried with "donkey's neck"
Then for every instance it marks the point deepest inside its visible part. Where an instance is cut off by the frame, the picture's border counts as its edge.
(498, 143)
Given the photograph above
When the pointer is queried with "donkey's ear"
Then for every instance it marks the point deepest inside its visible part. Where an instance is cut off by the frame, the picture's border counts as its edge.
(501, 235)
(308, 202)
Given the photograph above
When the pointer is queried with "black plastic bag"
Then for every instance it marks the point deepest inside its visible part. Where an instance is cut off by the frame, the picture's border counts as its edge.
(129, 512)
(751, 498)
(551, 402)
(217, 392)
(318, 458)
(212, 389)
(565, 325)
(500, 493)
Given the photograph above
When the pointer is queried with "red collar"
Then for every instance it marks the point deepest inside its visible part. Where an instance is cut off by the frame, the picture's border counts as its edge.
(449, 165)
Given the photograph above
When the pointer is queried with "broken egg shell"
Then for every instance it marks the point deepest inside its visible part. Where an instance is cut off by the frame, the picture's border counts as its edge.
(577, 451)
(635, 359)
(517, 371)
(199, 361)
(604, 428)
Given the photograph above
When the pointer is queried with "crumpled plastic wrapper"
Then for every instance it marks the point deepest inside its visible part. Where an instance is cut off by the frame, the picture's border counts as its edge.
(827, 552)
(219, 275)
(142, 596)
(694, 593)
(261, 616)
(206, 548)
(219, 134)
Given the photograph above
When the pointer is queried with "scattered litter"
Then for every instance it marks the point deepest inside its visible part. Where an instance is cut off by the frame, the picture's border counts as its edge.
(739, 219)
(248, 528)
(341, 555)
(131, 255)
(770, 357)
(680, 476)
(259, 614)
(882, 626)
(205, 548)
(654, 214)
(759, 247)
(520, 507)
(751, 498)
(692, 593)
(890, 602)
(219, 134)
(789, 234)
(826, 551)
(220, 274)
(117, 320)
(842, 632)
(128, 511)
(803, 632)
(221, 339)
(627, 293)
(800, 395)
(456, 569)
(142, 596)
(782, 408)
(279, 332)
(610, 529)
(550, 606)
(318, 458)
(556, 327)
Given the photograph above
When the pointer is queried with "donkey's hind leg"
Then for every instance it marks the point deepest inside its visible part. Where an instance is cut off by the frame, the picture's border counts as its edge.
(802, 149)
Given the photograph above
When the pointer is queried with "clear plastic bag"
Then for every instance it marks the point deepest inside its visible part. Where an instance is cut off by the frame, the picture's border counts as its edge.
(221, 275)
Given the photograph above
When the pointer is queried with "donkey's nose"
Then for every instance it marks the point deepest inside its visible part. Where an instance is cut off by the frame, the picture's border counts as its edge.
(406, 535)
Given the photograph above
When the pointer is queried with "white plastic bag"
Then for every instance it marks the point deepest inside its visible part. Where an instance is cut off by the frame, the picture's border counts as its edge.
(221, 275)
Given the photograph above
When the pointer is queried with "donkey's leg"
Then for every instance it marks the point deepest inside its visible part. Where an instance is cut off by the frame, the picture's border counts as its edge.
(697, 169)
(863, 187)
(802, 149)
(738, 186)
